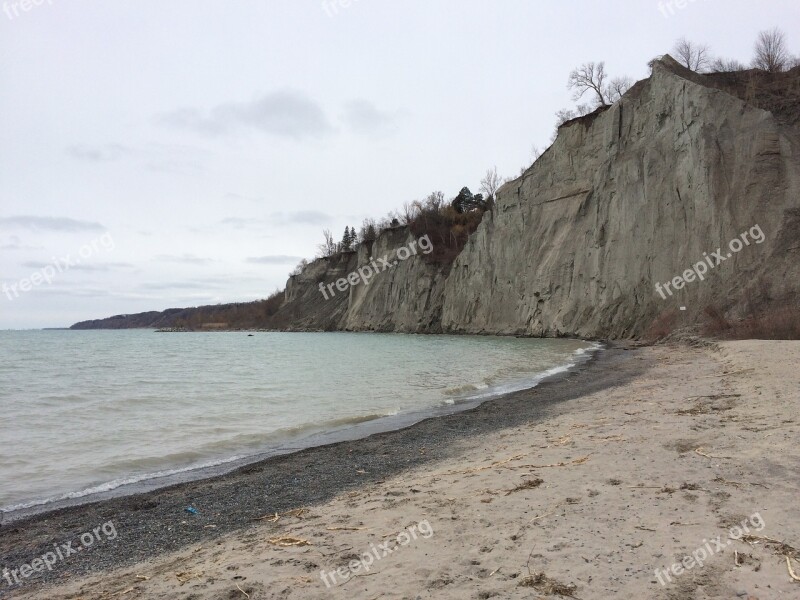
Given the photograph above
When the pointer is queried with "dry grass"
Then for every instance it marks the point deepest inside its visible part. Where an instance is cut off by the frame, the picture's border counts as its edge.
(662, 325)
(526, 485)
(778, 93)
(549, 587)
(777, 323)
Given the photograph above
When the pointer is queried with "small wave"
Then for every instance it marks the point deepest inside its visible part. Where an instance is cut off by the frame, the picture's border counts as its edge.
(331, 423)
(116, 483)
(578, 356)
(593, 348)
(271, 437)
(457, 391)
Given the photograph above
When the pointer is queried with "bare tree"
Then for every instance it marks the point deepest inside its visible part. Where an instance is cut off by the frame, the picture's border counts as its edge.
(726, 65)
(434, 201)
(329, 247)
(298, 270)
(491, 183)
(564, 115)
(589, 77)
(617, 87)
(695, 57)
(369, 231)
(771, 53)
(409, 211)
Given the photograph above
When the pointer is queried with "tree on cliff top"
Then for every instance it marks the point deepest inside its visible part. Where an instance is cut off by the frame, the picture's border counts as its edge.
(328, 247)
(771, 52)
(369, 231)
(726, 65)
(490, 184)
(589, 77)
(466, 201)
(348, 239)
(695, 57)
(617, 87)
(299, 268)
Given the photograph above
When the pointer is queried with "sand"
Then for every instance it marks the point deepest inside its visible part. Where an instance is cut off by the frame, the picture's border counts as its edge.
(587, 500)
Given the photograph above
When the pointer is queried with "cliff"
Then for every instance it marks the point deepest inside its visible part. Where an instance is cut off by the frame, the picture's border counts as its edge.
(630, 196)
(626, 197)
(405, 297)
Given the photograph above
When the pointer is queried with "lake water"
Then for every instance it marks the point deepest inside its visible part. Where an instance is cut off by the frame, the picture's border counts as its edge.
(85, 412)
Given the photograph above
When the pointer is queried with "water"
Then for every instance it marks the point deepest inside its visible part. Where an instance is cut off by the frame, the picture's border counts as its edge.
(91, 411)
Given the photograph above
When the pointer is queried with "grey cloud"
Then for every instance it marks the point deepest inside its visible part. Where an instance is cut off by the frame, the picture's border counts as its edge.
(93, 293)
(156, 156)
(103, 153)
(50, 223)
(195, 300)
(199, 283)
(284, 113)
(176, 166)
(180, 285)
(241, 223)
(187, 259)
(103, 267)
(15, 243)
(88, 268)
(85, 292)
(235, 196)
(303, 217)
(363, 117)
(274, 259)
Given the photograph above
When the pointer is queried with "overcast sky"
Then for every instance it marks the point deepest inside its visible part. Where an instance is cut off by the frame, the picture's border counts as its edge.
(194, 150)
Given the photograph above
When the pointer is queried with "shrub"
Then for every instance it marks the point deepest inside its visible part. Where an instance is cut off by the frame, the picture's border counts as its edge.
(780, 322)
(662, 326)
(446, 226)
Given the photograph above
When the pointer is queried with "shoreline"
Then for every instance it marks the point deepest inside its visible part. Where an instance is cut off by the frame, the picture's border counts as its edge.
(359, 428)
(231, 498)
(662, 472)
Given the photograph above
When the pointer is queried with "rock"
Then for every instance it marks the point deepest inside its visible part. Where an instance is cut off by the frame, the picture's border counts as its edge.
(626, 197)
(629, 197)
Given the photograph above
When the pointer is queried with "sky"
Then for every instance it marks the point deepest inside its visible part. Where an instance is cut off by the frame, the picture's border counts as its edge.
(171, 153)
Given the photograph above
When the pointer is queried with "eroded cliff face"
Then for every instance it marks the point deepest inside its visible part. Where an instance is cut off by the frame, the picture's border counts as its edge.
(404, 295)
(631, 197)
(625, 198)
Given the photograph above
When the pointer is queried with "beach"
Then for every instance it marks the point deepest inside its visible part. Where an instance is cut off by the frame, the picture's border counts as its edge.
(666, 471)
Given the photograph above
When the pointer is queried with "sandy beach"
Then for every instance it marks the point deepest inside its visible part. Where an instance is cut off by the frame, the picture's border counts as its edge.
(655, 472)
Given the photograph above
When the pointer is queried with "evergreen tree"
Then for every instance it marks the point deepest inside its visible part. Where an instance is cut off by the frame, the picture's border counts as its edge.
(347, 240)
